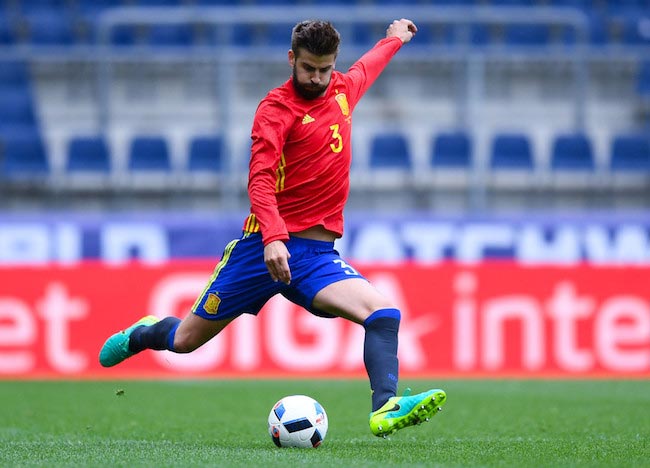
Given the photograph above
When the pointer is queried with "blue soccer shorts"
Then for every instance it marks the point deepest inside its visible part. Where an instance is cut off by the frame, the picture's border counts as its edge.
(241, 283)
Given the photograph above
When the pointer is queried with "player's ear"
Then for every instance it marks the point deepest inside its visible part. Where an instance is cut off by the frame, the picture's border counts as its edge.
(292, 58)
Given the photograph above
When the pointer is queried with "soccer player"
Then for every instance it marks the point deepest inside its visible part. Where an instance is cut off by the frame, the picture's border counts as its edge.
(298, 185)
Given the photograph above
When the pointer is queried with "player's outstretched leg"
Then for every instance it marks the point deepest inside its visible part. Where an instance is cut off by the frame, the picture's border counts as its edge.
(116, 348)
(407, 410)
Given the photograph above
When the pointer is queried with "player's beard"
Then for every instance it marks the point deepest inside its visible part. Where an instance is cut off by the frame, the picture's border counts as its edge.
(307, 91)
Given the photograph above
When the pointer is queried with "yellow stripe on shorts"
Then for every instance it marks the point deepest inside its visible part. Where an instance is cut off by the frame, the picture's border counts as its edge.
(222, 263)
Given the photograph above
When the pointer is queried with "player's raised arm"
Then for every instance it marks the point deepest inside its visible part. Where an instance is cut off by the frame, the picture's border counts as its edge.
(404, 29)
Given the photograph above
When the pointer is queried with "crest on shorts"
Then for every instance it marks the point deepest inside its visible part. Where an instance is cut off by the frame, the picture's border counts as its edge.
(211, 304)
(342, 101)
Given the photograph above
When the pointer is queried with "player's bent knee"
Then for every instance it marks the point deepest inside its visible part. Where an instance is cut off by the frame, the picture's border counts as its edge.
(380, 304)
(186, 343)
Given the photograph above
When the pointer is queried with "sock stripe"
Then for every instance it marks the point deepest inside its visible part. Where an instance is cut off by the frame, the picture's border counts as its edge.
(382, 313)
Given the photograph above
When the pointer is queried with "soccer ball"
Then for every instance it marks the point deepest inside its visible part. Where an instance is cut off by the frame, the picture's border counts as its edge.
(297, 421)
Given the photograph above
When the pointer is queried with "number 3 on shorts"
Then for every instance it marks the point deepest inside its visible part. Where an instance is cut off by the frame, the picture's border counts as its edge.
(349, 270)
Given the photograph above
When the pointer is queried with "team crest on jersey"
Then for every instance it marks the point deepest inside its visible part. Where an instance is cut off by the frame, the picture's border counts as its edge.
(342, 101)
(212, 304)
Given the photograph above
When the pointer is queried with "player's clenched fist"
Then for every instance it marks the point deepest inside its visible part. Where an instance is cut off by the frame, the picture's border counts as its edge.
(404, 29)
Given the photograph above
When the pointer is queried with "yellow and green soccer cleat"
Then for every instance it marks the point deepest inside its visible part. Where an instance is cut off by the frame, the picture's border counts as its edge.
(116, 348)
(404, 411)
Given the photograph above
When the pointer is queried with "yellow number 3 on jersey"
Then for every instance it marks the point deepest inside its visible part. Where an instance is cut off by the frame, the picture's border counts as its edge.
(338, 146)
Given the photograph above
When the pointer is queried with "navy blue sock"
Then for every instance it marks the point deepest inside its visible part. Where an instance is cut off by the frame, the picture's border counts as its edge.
(158, 336)
(380, 354)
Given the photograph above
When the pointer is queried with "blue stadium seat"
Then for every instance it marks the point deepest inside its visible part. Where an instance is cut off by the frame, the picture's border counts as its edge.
(152, 34)
(527, 34)
(13, 74)
(636, 28)
(451, 150)
(361, 33)
(478, 35)
(6, 34)
(630, 153)
(598, 29)
(128, 34)
(88, 154)
(23, 156)
(511, 151)
(16, 107)
(170, 35)
(279, 34)
(49, 28)
(205, 154)
(572, 152)
(390, 151)
(149, 154)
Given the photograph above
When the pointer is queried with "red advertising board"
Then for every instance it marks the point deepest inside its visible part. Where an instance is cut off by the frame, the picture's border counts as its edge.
(491, 319)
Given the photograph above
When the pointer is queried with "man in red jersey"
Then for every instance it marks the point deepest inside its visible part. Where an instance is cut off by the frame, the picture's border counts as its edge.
(298, 186)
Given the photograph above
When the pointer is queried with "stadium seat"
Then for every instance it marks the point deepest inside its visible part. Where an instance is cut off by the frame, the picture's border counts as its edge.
(16, 107)
(6, 34)
(451, 150)
(527, 34)
(149, 154)
(170, 35)
(279, 33)
(636, 28)
(49, 28)
(205, 154)
(23, 156)
(361, 33)
(477, 35)
(13, 74)
(630, 153)
(572, 152)
(390, 151)
(88, 154)
(598, 29)
(127, 34)
(511, 151)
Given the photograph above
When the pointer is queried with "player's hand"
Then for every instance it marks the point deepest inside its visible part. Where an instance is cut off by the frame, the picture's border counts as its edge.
(404, 29)
(276, 258)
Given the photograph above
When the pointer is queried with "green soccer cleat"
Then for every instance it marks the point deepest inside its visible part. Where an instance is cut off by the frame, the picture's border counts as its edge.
(116, 348)
(404, 411)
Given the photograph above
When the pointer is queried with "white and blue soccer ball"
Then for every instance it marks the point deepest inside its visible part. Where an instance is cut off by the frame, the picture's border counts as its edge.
(298, 421)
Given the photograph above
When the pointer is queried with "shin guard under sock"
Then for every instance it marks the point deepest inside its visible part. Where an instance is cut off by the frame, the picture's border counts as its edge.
(380, 354)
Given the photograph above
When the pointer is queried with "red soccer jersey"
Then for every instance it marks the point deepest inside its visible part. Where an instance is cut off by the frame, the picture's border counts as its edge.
(300, 165)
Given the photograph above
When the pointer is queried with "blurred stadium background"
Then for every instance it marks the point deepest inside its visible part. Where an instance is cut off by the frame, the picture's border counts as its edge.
(507, 129)
(497, 104)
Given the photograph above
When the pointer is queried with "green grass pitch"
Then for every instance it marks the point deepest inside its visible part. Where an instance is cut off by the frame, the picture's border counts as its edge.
(223, 423)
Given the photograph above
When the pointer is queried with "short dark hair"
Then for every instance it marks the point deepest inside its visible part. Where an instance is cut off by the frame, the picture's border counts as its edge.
(316, 37)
